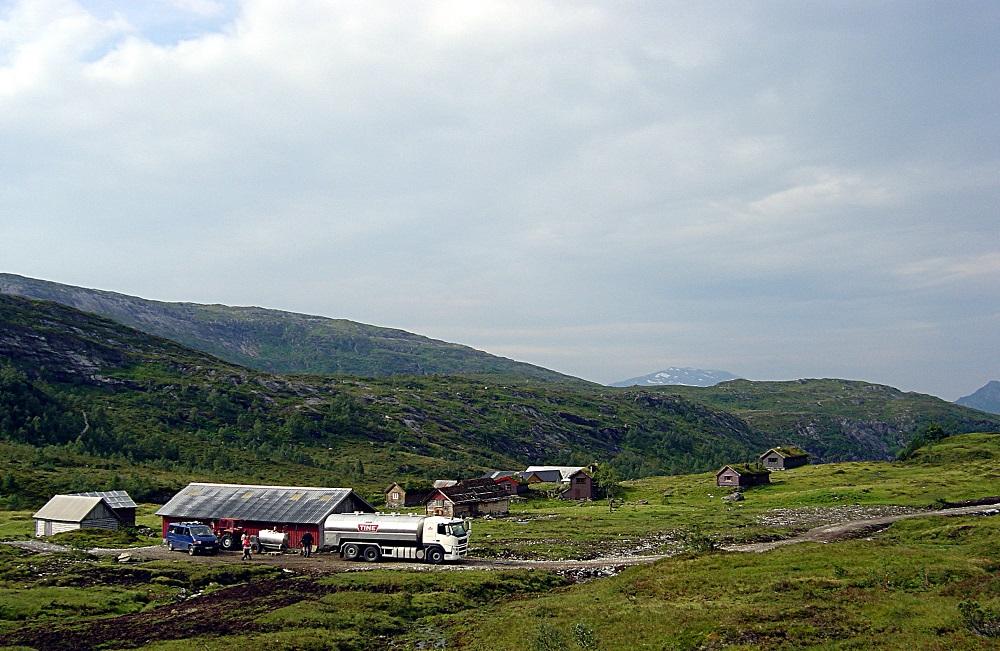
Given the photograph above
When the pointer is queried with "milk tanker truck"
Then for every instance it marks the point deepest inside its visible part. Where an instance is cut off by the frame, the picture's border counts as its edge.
(373, 536)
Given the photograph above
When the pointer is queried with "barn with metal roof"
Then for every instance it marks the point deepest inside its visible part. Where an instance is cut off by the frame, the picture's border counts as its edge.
(292, 509)
(71, 512)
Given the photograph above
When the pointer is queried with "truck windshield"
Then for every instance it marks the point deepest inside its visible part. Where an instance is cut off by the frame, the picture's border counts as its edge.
(201, 530)
(457, 530)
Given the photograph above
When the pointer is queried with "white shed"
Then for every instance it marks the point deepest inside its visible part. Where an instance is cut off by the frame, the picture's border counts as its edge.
(70, 512)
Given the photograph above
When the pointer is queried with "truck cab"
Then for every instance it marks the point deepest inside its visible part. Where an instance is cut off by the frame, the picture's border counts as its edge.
(451, 535)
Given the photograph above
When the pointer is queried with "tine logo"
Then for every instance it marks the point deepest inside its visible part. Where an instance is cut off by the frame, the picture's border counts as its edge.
(369, 527)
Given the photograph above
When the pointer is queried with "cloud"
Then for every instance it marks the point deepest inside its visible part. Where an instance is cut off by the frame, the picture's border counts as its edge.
(544, 179)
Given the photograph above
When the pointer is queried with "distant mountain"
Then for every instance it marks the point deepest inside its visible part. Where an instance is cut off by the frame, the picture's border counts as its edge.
(283, 342)
(683, 376)
(986, 398)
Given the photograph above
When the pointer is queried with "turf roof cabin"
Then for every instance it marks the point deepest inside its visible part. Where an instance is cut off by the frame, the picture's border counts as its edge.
(742, 476)
(784, 458)
(397, 496)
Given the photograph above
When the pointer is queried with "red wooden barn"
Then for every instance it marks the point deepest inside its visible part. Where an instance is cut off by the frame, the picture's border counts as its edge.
(291, 509)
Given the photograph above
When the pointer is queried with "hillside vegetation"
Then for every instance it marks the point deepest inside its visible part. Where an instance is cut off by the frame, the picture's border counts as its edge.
(89, 403)
(82, 391)
(283, 342)
(836, 419)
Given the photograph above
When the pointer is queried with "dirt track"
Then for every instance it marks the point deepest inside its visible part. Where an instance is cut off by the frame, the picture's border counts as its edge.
(856, 528)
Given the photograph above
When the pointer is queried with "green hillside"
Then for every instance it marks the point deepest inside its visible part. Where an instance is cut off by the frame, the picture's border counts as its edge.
(283, 342)
(836, 419)
(81, 391)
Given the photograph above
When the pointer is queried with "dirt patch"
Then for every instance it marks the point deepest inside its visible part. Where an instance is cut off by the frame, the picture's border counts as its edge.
(228, 611)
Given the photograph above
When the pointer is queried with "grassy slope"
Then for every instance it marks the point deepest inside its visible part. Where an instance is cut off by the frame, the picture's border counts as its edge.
(836, 419)
(900, 590)
(658, 510)
(897, 590)
(157, 409)
(283, 342)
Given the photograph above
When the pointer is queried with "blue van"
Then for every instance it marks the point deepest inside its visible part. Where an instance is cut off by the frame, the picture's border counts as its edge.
(191, 537)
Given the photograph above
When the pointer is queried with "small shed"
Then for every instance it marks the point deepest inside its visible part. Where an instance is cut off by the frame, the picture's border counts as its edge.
(784, 457)
(71, 512)
(581, 486)
(120, 502)
(742, 476)
(291, 509)
(469, 498)
(397, 496)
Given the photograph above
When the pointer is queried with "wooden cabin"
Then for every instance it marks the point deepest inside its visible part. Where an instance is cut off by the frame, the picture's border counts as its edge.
(397, 496)
(71, 512)
(118, 501)
(469, 498)
(742, 476)
(784, 457)
(580, 486)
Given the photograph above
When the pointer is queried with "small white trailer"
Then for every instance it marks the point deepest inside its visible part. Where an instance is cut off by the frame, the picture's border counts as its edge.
(373, 536)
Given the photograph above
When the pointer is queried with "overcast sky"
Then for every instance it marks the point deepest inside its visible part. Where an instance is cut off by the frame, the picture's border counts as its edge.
(780, 190)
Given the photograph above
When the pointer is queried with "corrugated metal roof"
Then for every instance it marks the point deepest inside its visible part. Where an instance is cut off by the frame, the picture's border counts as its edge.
(564, 471)
(292, 504)
(67, 508)
(115, 499)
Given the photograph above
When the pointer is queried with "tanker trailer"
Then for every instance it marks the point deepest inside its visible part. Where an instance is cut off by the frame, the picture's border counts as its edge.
(371, 536)
(272, 540)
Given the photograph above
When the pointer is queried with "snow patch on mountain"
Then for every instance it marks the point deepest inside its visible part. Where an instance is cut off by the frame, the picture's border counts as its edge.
(679, 375)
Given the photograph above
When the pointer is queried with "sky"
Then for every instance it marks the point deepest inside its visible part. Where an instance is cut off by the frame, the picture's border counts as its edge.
(776, 189)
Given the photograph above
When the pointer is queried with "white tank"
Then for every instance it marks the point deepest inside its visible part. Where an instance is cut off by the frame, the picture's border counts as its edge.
(272, 539)
(376, 526)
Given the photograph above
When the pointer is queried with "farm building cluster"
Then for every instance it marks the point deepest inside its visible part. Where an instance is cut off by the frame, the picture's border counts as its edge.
(232, 510)
(746, 475)
(491, 493)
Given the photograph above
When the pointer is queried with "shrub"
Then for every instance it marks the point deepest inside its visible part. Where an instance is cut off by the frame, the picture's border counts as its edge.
(979, 620)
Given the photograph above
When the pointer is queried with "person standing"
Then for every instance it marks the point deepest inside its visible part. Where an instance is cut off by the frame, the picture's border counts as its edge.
(307, 544)
(246, 547)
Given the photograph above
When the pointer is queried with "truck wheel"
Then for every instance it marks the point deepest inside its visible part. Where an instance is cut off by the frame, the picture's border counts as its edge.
(227, 542)
(435, 556)
(191, 551)
(351, 551)
(371, 554)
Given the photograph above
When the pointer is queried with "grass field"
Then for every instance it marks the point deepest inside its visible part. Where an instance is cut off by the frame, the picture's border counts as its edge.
(902, 588)
(658, 510)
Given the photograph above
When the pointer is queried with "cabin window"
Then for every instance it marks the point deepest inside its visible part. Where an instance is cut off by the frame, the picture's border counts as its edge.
(395, 496)
(772, 459)
(581, 480)
(727, 478)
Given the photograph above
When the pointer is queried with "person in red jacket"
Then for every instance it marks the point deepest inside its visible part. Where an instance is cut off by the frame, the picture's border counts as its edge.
(246, 547)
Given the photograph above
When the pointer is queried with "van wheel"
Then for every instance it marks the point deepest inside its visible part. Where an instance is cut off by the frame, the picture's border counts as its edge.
(435, 556)
(372, 554)
(351, 551)
(191, 551)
